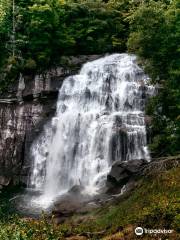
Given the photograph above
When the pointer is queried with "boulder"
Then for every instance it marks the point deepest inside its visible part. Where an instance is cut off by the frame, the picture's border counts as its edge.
(122, 172)
(76, 189)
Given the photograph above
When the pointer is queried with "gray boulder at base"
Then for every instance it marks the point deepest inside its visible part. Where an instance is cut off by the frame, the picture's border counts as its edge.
(122, 172)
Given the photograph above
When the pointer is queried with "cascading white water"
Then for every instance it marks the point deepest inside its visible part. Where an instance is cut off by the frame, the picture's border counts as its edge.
(99, 119)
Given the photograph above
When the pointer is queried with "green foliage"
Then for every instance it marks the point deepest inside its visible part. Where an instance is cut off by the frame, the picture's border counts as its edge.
(46, 30)
(155, 37)
(5, 12)
(153, 204)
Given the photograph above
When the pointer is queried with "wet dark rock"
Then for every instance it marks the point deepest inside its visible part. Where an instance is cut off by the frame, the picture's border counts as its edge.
(123, 172)
(77, 189)
(66, 207)
(134, 170)
(25, 107)
(76, 202)
(69, 205)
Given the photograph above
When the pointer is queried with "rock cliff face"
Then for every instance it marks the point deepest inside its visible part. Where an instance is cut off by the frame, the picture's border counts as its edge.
(24, 109)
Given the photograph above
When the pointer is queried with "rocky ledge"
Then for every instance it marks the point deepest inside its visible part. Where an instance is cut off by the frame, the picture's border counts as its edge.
(122, 180)
(24, 108)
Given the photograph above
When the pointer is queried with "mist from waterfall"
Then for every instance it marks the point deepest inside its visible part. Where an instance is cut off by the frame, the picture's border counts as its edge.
(99, 119)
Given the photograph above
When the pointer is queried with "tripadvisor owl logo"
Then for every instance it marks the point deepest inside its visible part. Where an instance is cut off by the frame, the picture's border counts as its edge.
(139, 231)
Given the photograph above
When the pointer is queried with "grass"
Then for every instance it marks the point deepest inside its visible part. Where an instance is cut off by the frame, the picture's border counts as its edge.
(154, 204)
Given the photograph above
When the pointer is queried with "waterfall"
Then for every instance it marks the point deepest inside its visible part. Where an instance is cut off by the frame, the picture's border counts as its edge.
(99, 119)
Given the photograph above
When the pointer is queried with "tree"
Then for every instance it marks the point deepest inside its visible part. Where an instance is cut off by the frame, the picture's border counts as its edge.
(155, 37)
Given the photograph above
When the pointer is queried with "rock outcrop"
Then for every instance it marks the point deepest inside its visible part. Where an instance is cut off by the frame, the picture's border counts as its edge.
(124, 174)
(24, 108)
(129, 174)
(124, 171)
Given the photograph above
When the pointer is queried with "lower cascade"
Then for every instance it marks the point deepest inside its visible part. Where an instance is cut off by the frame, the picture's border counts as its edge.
(99, 119)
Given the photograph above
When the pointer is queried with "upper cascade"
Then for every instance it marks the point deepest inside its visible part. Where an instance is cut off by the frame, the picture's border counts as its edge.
(99, 119)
